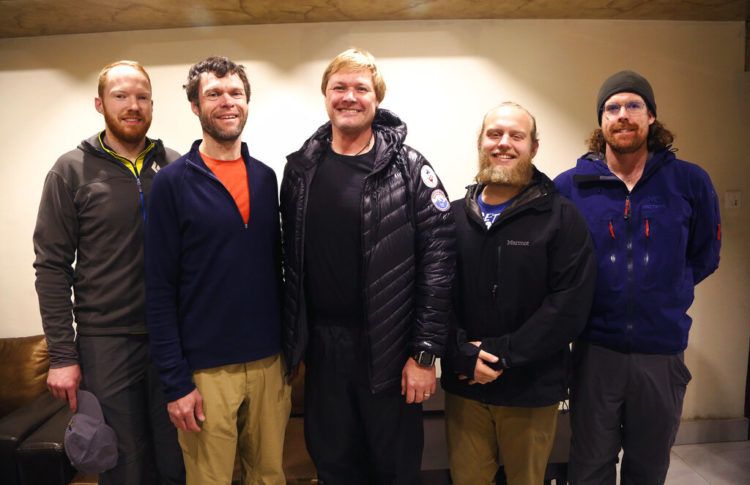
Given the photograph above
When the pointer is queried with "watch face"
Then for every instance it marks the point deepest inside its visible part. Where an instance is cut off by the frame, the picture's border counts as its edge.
(425, 358)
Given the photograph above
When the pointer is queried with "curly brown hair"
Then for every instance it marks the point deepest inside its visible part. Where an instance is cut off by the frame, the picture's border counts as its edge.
(659, 137)
(218, 65)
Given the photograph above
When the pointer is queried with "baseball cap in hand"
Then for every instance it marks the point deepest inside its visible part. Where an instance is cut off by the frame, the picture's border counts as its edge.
(90, 444)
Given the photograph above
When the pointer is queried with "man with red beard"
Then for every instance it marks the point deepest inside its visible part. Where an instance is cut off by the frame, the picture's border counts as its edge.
(655, 224)
(213, 275)
(89, 236)
(524, 284)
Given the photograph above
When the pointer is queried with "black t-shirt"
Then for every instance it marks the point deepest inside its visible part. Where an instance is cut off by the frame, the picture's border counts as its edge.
(333, 245)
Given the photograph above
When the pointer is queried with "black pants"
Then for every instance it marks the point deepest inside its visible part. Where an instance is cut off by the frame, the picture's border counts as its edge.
(353, 435)
(628, 401)
(119, 372)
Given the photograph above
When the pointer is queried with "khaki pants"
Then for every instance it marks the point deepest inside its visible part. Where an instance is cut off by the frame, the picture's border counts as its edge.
(247, 408)
(479, 433)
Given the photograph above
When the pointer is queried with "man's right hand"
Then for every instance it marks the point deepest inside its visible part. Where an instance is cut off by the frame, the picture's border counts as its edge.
(63, 382)
(184, 411)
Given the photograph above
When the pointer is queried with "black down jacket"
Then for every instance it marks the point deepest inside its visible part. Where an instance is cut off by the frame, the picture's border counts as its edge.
(408, 245)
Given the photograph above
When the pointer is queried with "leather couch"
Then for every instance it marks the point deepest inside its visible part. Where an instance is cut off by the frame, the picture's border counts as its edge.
(32, 422)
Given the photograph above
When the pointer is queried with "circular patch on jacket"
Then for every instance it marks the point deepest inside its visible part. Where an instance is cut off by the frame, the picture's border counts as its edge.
(429, 177)
(440, 201)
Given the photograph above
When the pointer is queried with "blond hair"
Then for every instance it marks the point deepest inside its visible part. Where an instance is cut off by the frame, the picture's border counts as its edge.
(355, 59)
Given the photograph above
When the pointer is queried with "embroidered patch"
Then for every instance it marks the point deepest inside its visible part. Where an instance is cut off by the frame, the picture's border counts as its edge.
(155, 167)
(429, 177)
(440, 201)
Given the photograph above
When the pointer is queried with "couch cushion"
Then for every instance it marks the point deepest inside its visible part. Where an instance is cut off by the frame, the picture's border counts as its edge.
(23, 371)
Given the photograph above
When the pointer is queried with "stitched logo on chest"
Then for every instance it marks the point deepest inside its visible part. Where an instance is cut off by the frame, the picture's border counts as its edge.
(654, 202)
(511, 242)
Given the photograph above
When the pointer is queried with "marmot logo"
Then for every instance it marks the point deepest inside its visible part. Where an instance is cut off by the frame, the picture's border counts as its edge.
(511, 242)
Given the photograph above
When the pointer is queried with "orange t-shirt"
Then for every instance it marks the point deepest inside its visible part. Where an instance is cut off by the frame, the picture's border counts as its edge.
(233, 174)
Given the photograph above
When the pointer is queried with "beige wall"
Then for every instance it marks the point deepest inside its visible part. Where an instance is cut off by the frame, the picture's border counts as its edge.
(442, 77)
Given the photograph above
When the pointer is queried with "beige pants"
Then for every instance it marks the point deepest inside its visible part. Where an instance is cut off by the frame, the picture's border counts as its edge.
(247, 408)
(479, 433)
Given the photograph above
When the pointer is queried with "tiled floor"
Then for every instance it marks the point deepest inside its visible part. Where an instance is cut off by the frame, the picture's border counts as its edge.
(705, 464)
(710, 464)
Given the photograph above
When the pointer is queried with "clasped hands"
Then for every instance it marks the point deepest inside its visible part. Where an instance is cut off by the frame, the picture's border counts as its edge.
(483, 374)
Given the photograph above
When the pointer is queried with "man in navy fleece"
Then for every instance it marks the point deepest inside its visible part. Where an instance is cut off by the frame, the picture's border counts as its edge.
(213, 278)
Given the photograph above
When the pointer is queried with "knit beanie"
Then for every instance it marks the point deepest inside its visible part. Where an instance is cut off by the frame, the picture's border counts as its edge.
(625, 82)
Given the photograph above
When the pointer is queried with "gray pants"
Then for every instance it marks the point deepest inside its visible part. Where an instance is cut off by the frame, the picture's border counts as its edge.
(628, 401)
(119, 372)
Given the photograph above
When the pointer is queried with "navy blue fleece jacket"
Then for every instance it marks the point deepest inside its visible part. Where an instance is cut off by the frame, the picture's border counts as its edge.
(212, 282)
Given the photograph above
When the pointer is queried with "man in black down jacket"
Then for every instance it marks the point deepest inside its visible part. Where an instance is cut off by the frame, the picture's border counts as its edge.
(524, 286)
(368, 263)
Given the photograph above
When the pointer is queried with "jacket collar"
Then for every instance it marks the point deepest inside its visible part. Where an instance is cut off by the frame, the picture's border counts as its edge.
(592, 169)
(93, 146)
(195, 158)
(533, 195)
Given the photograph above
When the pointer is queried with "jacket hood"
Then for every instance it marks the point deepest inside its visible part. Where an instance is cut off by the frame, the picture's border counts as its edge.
(91, 145)
(389, 130)
(539, 188)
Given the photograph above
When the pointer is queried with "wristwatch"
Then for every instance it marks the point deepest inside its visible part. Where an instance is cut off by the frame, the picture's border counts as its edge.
(424, 358)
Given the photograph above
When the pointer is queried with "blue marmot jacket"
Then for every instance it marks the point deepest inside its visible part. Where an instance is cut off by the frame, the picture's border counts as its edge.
(653, 245)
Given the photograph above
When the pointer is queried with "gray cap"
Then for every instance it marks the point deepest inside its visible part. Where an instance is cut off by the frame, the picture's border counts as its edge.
(625, 82)
(90, 444)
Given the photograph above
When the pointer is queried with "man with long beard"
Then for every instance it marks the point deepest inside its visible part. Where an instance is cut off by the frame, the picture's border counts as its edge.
(655, 224)
(524, 284)
(213, 274)
(93, 208)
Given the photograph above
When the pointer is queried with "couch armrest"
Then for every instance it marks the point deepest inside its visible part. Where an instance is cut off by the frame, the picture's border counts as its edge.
(23, 373)
(18, 425)
(23, 421)
(41, 456)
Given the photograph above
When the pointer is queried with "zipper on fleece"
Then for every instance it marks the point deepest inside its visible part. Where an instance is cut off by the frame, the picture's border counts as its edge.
(630, 310)
(141, 197)
(496, 284)
(213, 177)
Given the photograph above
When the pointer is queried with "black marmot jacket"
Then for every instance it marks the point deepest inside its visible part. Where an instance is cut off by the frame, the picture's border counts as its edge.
(408, 246)
(523, 287)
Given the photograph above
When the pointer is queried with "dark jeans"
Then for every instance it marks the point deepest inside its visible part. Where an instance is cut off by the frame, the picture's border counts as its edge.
(352, 435)
(628, 401)
(119, 372)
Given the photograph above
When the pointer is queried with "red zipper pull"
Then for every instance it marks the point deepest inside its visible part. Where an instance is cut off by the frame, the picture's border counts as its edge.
(611, 230)
(648, 230)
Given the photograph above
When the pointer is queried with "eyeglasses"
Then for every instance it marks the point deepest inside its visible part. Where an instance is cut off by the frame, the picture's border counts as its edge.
(632, 108)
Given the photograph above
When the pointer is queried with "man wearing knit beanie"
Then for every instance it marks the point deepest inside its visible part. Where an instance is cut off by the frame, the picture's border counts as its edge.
(655, 224)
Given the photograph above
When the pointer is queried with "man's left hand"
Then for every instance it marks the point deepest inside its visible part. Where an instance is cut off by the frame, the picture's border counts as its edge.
(417, 382)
